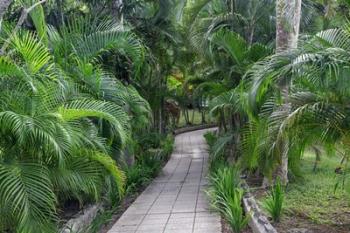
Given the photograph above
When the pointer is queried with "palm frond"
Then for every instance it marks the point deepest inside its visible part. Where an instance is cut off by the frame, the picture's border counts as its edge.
(27, 190)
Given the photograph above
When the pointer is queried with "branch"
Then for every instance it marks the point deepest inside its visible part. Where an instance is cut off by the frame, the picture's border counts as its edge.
(21, 20)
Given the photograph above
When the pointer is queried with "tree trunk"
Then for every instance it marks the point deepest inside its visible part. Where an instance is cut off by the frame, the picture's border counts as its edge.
(117, 9)
(4, 4)
(203, 116)
(60, 9)
(317, 158)
(288, 13)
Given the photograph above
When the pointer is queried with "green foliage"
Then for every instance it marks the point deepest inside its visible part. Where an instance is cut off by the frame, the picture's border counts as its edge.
(226, 195)
(234, 213)
(100, 220)
(60, 118)
(70, 101)
(210, 138)
(274, 203)
(148, 164)
(224, 181)
(150, 140)
(167, 146)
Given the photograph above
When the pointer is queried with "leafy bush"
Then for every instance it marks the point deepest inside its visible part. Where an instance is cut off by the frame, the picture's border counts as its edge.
(147, 166)
(223, 182)
(136, 177)
(210, 138)
(150, 140)
(167, 146)
(274, 203)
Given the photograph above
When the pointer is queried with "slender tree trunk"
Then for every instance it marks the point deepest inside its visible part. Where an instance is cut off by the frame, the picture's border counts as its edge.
(117, 9)
(186, 116)
(317, 158)
(4, 4)
(288, 13)
(60, 6)
(203, 116)
(192, 117)
(232, 9)
(251, 34)
(223, 121)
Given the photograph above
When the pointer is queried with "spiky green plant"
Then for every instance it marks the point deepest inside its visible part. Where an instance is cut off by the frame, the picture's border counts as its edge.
(226, 195)
(234, 213)
(223, 182)
(274, 202)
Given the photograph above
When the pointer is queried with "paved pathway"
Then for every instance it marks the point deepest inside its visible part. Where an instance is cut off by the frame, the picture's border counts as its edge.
(175, 201)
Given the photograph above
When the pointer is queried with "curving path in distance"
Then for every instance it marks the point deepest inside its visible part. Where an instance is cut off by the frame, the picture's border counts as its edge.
(175, 201)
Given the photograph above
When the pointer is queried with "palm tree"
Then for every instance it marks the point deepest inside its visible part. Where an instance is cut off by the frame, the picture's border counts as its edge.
(318, 97)
(288, 14)
(54, 146)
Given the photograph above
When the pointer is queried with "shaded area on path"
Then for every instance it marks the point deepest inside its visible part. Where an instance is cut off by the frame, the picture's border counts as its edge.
(175, 201)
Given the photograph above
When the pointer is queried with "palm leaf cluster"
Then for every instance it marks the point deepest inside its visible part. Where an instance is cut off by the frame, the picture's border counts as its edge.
(243, 82)
(318, 99)
(62, 119)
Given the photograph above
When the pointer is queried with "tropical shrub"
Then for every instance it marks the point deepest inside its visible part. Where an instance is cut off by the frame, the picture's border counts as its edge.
(234, 213)
(137, 176)
(210, 138)
(226, 196)
(152, 160)
(274, 202)
(150, 140)
(223, 183)
(148, 165)
(167, 146)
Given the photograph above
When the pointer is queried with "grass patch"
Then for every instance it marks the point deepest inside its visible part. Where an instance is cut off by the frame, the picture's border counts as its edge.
(314, 196)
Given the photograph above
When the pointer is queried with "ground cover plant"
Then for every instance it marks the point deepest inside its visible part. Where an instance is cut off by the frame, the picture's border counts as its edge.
(315, 198)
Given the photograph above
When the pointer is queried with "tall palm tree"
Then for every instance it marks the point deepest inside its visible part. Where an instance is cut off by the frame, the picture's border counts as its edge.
(288, 15)
(318, 94)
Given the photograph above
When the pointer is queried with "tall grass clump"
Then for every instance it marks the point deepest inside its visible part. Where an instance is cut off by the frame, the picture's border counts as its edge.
(226, 196)
(274, 202)
(234, 213)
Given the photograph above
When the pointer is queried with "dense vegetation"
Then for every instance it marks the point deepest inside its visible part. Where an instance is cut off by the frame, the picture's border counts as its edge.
(89, 89)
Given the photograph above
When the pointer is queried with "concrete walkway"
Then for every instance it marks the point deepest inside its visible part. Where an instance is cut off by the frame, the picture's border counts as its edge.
(175, 201)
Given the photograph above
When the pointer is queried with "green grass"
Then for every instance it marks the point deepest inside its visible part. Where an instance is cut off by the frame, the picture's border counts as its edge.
(314, 196)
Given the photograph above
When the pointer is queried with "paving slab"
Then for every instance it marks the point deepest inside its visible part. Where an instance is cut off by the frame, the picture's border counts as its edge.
(175, 201)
